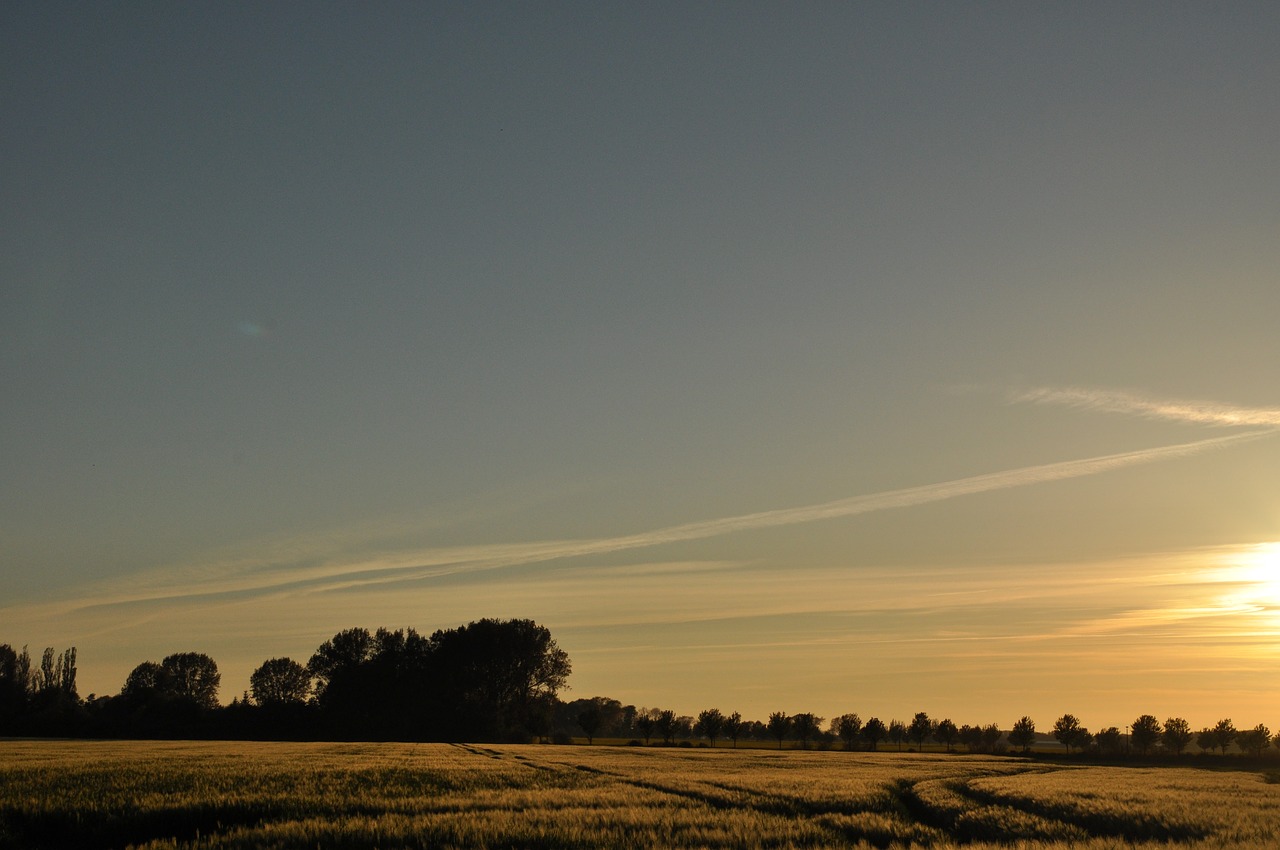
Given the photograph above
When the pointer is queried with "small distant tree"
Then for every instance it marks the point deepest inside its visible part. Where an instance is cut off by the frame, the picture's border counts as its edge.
(1224, 734)
(897, 733)
(1207, 739)
(1023, 734)
(667, 724)
(589, 719)
(1177, 735)
(991, 735)
(710, 725)
(1145, 734)
(1111, 740)
(1068, 731)
(779, 726)
(734, 727)
(946, 733)
(920, 730)
(280, 681)
(971, 737)
(847, 727)
(806, 726)
(644, 724)
(1254, 740)
(874, 732)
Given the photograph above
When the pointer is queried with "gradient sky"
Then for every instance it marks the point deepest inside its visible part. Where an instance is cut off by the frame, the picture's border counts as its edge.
(804, 357)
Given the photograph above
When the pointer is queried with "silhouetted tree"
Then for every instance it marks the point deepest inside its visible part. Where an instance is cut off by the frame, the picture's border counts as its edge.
(1111, 740)
(1224, 734)
(779, 726)
(1177, 735)
(874, 732)
(142, 681)
(806, 725)
(991, 737)
(191, 676)
(590, 719)
(280, 681)
(612, 718)
(1207, 739)
(710, 724)
(1023, 734)
(1254, 740)
(13, 688)
(945, 732)
(897, 733)
(666, 724)
(1146, 733)
(920, 730)
(339, 656)
(733, 728)
(645, 721)
(1068, 731)
(848, 728)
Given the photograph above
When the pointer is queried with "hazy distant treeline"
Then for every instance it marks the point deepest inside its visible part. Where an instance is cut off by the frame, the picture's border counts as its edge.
(491, 680)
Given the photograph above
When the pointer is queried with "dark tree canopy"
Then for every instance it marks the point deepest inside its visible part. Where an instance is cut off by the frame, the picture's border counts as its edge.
(191, 676)
(280, 681)
(874, 732)
(1177, 735)
(500, 677)
(779, 726)
(1023, 733)
(1146, 733)
(806, 725)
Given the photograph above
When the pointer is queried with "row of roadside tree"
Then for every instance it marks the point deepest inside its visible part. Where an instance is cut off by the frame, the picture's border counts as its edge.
(608, 718)
(491, 680)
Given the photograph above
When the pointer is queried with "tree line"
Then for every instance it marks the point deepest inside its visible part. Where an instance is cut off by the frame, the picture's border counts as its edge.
(489, 680)
(1146, 736)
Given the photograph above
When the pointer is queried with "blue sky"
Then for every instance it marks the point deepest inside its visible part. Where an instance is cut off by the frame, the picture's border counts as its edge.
(298, 293)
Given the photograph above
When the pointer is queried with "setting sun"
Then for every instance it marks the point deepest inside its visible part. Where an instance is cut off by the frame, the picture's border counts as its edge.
(1260, 572)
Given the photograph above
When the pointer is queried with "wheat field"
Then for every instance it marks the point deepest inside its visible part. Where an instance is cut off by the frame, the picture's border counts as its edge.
(273, 795)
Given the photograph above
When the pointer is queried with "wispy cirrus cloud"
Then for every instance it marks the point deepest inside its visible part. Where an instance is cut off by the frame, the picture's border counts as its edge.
(348, 574)
(1173, 410)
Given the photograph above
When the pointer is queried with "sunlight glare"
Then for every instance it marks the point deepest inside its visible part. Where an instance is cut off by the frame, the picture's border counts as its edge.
(1260, 572)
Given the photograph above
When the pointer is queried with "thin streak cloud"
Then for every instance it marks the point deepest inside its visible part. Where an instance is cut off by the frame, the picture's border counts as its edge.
(1174, 410)
(434, 563)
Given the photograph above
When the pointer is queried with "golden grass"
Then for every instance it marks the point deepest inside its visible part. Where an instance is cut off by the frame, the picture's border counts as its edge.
(256, 795)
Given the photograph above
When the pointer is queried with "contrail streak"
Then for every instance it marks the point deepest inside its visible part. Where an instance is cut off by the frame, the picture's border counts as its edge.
(436, 562)
(1175, 410)
(885, 500)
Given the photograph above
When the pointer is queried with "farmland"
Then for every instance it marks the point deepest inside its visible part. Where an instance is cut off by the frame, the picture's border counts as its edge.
(250, 795)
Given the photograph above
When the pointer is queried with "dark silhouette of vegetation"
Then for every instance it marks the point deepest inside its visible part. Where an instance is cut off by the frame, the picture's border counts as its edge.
(491, 680)
(945, 733)
(280, 681)
(779, 726)
(1255, 740)
(897, 733)
(710, 725)
(848, 728)
(1146, 733)
(734, 727)
(874, 732)
(1023, 733)
(806, 726)
(1068, 731)
(920, 730)
(1177, 735)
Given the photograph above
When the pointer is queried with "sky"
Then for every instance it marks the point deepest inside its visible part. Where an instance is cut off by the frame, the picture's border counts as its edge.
(830, 357)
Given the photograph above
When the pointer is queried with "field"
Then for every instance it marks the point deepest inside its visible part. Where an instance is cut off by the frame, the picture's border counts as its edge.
(250, 795)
